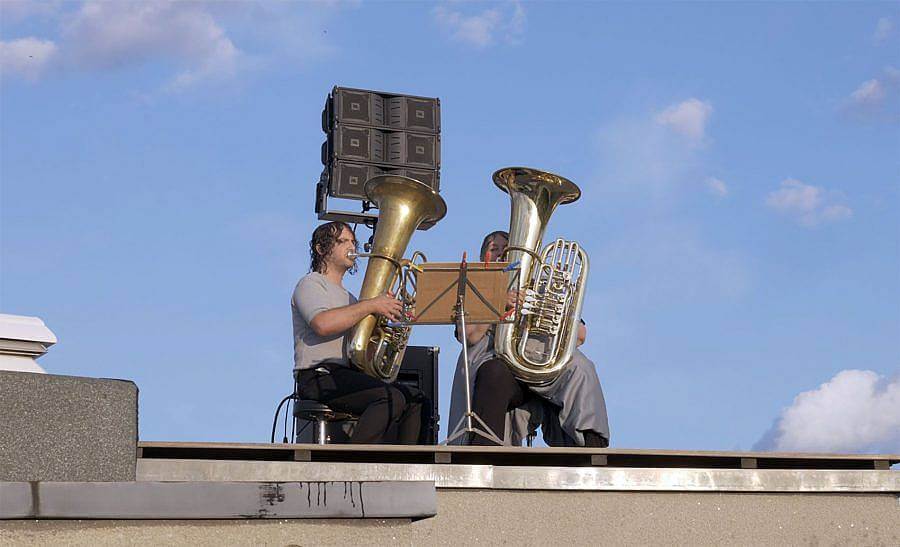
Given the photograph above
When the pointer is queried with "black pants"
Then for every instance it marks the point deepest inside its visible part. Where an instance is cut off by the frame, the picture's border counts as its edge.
(497, 391)
(388, 414)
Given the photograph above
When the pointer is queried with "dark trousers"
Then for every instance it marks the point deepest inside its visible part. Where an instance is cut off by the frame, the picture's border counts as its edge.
(388, 414)
(497, 391)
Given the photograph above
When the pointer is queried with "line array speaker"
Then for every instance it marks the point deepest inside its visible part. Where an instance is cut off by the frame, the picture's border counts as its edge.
(371, 133)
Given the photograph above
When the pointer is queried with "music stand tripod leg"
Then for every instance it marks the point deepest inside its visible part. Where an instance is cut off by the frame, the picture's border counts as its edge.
(459, 430)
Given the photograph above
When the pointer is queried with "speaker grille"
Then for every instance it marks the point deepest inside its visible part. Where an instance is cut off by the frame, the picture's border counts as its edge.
(420, 150)
(355, 107)
(349, 179)
(383, 110)
(355, 144)
(395, 148)
(421, 115)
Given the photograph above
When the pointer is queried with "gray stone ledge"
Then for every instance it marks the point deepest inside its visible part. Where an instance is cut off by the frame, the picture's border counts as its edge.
(217, 500)
(530, 478)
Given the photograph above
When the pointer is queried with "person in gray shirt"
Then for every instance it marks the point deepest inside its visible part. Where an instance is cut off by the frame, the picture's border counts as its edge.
(323, 313)
(571, 410)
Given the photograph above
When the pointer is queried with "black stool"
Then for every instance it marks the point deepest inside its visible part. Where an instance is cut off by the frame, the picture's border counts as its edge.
(321, 414)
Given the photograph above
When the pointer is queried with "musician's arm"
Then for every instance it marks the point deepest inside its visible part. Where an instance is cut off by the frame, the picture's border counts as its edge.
(311, 301)
(338, 320)
(474, 333)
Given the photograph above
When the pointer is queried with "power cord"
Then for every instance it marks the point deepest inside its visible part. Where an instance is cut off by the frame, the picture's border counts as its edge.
(275, 420)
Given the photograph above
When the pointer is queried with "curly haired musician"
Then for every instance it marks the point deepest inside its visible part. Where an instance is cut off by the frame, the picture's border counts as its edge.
(323, 313)
(571, 410)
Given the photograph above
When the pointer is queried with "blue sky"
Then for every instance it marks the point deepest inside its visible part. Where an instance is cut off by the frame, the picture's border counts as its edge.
(740, 169)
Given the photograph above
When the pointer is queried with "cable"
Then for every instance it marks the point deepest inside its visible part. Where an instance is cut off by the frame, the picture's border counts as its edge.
(277, 411)
(287, 411)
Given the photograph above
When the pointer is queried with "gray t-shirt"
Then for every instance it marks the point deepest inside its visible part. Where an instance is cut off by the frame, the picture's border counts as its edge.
(315, 293)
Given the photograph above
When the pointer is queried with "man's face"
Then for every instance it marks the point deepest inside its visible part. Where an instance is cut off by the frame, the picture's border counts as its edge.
(344, 243)
(495, 249)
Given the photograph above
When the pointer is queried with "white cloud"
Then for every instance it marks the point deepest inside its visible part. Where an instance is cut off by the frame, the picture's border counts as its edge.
(892, 75)
(875, 99)
(106, 35)
(807, 204)
(26, 57)
(192, 42)
(868, 92)
(505, 23)
(656, 154)
(642, 158)
(284, 34)
(517, 23)
(13, 11)
(795, 196)
(883, 29)
(836, 212)
(643, 170)
(856, 411)
(688, 118)
(716, 186)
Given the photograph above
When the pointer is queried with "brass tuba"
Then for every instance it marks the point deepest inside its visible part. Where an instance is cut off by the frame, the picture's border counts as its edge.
(376, 345)
(539, 342)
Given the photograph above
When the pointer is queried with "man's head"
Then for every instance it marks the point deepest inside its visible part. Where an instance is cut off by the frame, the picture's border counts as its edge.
(493, 246)
(329, 246)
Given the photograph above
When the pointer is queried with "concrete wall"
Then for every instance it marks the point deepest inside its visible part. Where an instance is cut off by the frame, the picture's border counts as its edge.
(67, 428)
(531, 518)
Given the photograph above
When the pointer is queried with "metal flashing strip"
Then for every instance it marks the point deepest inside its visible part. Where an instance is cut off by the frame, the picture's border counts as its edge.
(27, 348)
(516, 456)
(217, 500)
(529, 477)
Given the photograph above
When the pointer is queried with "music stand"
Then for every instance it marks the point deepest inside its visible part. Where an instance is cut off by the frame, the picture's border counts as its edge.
(488, 283)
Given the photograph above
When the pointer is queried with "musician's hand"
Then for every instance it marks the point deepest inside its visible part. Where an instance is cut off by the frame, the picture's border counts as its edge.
(387, 306)
(513, 298)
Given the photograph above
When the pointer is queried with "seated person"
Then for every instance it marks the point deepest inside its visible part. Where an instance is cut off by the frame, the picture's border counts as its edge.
(571, 410)
(323, 313)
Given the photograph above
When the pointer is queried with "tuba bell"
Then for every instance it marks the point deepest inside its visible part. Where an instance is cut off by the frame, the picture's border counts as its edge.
(376, 345)
(539, 342)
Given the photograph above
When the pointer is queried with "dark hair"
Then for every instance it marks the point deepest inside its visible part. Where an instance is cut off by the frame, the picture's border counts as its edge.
(488, 239)
(323, 240)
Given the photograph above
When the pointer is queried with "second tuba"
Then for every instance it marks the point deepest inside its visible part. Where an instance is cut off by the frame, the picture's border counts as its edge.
(376, 345)
(539, 342)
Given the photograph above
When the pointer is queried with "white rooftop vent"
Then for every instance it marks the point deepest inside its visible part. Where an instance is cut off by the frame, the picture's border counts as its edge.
(22, 340)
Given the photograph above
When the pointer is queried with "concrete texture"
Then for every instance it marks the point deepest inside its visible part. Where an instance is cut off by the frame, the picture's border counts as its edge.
(216, 500)
(531, 518)
(528, 478)
(66, 428)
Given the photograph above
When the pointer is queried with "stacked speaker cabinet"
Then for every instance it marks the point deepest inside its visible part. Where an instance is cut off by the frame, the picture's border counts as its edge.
(372, 133)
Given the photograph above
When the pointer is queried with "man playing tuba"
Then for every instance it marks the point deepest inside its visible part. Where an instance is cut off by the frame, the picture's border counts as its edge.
(323, 313)
(571, 409)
